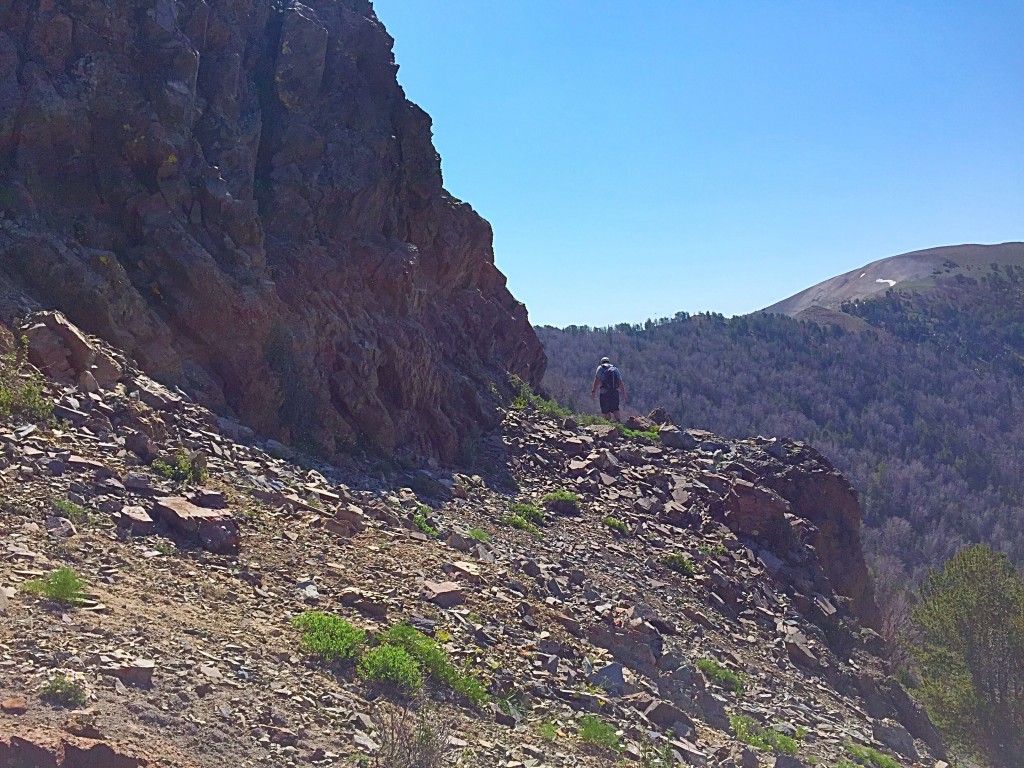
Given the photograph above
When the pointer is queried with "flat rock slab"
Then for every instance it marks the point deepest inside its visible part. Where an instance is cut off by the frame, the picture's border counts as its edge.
(446, 594)
(216, 529)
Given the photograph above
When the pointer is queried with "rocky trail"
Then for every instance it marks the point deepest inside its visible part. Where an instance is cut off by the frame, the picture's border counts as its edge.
(682, 548)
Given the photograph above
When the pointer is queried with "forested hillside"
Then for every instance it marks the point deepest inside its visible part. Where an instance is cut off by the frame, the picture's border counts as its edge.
(922, 408)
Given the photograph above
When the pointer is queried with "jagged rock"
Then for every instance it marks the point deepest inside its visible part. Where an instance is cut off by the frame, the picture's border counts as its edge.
(673, 437)
(446, 594)
(896, 737)
(216, 530)
(137, 520)
(62, 351)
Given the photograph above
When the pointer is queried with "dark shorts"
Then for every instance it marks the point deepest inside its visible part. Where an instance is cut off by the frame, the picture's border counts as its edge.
(610, 402)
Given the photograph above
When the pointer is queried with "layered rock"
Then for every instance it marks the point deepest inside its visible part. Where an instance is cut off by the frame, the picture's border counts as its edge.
(238, 194)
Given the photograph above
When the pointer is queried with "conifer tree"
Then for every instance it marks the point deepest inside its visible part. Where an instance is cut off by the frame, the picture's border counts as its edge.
(970, 645)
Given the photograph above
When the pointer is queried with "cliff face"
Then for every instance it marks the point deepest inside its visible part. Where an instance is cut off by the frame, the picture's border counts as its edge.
(238, 194)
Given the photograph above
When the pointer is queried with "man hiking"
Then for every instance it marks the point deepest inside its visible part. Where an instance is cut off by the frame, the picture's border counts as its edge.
(610, 381)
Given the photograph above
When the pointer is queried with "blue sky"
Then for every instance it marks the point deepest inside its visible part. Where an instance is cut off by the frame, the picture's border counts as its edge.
(638, 159)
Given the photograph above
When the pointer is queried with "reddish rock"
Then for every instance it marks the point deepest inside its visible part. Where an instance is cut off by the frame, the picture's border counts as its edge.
(14, 706)
(215, 529)
(446, 594)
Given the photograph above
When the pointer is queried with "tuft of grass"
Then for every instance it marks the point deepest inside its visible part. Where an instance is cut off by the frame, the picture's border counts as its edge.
(616, 525)
(419, 519)
(594, 730)
(869, 758)
(517, 521)
(718, 674)
(181, 468)
(679, 563)
(561, 502)
(329, 637)
(479, 534)
(548, 731)
(67, 689)
(435, 660)
(747, 730)
(76, 513)
(713, 550)
(651, 435)
(392, 665)
(529, 512)
(62, 586)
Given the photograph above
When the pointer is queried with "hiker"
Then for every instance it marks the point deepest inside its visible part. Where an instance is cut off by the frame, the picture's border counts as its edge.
(610, 381)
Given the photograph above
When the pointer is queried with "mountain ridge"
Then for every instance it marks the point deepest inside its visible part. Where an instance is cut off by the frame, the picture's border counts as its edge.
(875, 278)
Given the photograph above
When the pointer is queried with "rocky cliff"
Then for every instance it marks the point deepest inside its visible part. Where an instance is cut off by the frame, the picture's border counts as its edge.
(239, 195)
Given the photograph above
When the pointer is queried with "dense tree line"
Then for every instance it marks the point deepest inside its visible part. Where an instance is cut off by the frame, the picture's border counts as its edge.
(922, 406)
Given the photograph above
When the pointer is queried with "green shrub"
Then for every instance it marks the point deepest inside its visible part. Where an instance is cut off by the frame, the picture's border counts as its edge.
(870, 758)
(747, 730)
(392, 665)
(596, 731)
(62, 586)
(548, 731)
(718, 674)
(181, 469)
(479, 534)
(616, 525)
(653, 435)
(419, 519)
(528, 512)
(67, 689)
(713, 550)
(561, 502)
(67, 508)
(517, 521)
(22, 391)
(434, 659)
(679, 563)
(329, 637)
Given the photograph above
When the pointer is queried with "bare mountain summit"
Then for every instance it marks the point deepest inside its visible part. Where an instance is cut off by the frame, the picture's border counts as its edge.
(915, 270)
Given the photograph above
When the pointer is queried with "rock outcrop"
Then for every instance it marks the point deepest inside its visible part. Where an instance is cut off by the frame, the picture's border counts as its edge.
(238, 194)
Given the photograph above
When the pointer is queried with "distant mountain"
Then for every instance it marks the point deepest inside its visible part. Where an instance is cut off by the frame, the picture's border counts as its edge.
(916, 395)
(908, 271)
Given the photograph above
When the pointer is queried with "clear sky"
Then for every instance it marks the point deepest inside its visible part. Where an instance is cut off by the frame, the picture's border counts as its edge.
(636, 159)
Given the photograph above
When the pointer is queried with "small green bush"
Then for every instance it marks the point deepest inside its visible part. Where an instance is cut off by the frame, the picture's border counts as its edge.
(679, 563)
(392, 665)
(747, 730)
(594, 730)
(67, 508)
(561, 502)
(329, 637)
(22, 391)
(62, 586)
(419, 519)
(548, 731)
(181, 469)
(616, 525)
(870, 758)
(479, 534)
(67, 689)
(718, 674)
(713, 550)
(434, 659)
(517, 521)
(528, 512)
